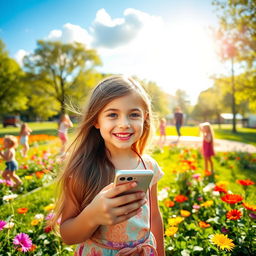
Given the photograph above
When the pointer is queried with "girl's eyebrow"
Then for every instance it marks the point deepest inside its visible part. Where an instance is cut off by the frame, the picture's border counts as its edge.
(114, 109)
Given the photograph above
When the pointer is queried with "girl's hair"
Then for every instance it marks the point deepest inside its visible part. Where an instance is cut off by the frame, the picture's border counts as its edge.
(89, 168)
(210, 129)
(12, 140)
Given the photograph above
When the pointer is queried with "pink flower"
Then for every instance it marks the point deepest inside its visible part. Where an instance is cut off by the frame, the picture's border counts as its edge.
(252, 215)
(24, 241)
(2, 224)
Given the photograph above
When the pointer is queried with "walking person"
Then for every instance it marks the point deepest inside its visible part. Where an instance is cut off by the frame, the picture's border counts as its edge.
(178, 120)
(94, 214)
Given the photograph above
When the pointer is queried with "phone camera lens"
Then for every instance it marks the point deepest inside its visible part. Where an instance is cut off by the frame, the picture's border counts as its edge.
(129, 178)
(122, 178)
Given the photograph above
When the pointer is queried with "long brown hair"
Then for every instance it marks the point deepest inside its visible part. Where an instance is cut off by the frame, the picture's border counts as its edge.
(89, 168)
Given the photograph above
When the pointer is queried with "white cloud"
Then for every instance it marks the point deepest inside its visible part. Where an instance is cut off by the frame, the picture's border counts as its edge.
(19, 55)
(69, 34)
(111, 33)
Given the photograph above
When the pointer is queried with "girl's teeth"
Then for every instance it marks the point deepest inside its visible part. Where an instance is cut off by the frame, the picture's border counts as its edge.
(123, 135)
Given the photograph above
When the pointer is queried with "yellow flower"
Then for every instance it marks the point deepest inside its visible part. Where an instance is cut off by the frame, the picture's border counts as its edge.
(171, 231)
(49, 207)
(175, 221)
(222, 241)
(207, 203)
(29, 177)
(34, 222)
(184, 213)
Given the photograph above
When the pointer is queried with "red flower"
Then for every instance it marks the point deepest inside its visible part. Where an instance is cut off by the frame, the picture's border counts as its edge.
(48, 229)
(234, 214)
(207, 173)
(22, 210)
(169, 203)
(220, 188)
(245, 182)
(180, 198)
(231, 198)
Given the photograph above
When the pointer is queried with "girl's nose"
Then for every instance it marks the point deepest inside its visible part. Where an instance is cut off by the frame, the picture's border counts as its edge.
(124, 123)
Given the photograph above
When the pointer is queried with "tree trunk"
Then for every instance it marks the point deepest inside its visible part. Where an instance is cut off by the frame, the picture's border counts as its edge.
(233, 97)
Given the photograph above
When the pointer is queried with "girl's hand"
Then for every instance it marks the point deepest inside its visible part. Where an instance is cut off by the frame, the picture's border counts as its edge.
(111, 209)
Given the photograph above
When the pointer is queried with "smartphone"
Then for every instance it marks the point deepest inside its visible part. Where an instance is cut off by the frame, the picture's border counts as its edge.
(141, 177)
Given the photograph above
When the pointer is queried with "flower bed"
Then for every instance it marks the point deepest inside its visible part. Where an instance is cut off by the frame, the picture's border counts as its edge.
(202, 216)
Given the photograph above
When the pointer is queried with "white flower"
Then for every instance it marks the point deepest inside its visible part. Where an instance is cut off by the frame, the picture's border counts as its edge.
(9, 225)
(215, 193)
(209, 187)
(39, 217)
(9, 197)
(162, 194)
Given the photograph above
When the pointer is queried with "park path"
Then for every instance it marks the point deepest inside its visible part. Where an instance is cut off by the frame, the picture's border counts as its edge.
(219, 144)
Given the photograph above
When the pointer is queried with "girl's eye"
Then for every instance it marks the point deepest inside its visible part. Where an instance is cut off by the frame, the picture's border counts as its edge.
(134, 115)
(112, 115)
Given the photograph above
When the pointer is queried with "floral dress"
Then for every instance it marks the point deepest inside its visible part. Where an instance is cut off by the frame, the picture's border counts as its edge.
(108, 240)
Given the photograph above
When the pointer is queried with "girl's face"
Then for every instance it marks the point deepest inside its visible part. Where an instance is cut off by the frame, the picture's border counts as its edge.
(121, 122)
(7, 144)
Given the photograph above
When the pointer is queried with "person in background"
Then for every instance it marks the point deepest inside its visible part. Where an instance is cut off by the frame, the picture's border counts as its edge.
(10, 143)
(64, 124)
(24, 135)
(178, 120)
(114, 131)
(162, 132)
(207, 145)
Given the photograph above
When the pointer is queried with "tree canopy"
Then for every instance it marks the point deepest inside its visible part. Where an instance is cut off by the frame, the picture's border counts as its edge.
(58, 73)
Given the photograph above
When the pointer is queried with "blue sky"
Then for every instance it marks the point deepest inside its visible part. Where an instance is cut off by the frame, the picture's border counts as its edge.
(163, 40)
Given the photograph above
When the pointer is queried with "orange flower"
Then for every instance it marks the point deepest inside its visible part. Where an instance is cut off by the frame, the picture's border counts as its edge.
(39, 174)
(203, 224)
(207, 173)
(180, 198)
(22, 210)
(250, 207)
(232, 198)
(234, 214)
(247, 182)
(169, 203)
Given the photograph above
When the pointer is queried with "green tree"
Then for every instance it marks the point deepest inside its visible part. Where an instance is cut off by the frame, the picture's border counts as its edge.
(59, 73)
(237, 38)
(12, 90)
(158, 97)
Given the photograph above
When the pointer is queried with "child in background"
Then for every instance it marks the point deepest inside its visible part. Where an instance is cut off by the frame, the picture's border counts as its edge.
(162, 131)
(207, 145)
(112, 136)
(24, 134)
(64, 124)
(10, 143)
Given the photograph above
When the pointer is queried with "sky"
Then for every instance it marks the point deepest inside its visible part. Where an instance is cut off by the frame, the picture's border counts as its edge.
(165, 41)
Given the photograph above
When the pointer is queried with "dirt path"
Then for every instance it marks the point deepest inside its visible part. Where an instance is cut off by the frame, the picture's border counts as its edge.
(219, 145)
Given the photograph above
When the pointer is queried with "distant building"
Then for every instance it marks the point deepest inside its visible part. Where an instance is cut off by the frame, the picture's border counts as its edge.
(251, 121)
(226, 118)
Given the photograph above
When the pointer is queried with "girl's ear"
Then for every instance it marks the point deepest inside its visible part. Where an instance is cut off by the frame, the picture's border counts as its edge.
(96, 125)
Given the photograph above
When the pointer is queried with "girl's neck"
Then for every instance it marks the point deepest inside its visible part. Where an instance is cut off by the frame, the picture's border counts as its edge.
(124, 160)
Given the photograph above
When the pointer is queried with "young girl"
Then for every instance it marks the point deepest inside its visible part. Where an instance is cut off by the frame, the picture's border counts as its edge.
(112, 136)
(162, 131)
(207, 147)
(10, 143)
(64, 124)
(24, 133)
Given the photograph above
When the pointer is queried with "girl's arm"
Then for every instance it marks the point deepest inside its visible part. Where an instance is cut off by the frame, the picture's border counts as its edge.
(207, 137)
(156, 221)
(7, 154)
(107, 208)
